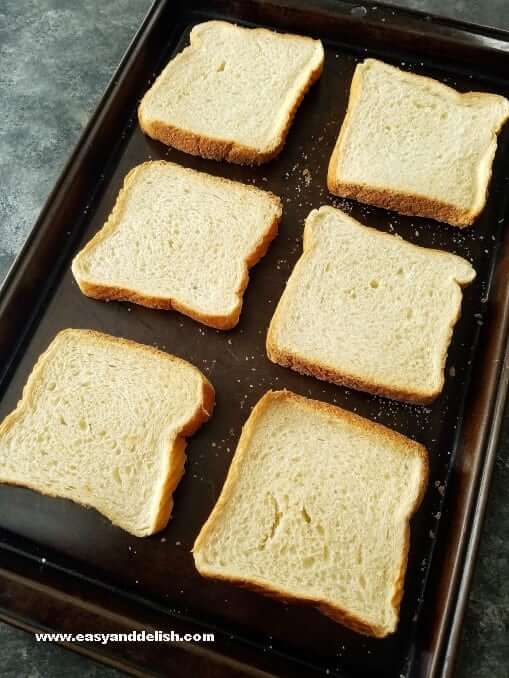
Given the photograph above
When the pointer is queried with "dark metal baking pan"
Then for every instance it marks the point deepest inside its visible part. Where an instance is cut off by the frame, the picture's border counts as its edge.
(66, 568)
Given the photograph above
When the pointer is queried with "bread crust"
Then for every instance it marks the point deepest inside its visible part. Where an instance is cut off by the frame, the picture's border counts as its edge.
(403, 203)
(403, 444)
(411, 204)
(164, 510)
(315, 368)
(176, 448)
(214, 148)
(100, 291)
(324, 373)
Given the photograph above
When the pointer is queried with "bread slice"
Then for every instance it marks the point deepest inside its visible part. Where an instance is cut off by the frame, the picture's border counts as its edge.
(232, 94)
(103, 422)
(414, 145)
(316, 509)
(180, 239)
(368, 310)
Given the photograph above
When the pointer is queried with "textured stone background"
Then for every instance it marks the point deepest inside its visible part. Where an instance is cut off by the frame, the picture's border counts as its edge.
(56, 57)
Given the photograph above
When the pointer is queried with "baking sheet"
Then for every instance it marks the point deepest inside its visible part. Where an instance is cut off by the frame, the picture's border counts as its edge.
(161, 568)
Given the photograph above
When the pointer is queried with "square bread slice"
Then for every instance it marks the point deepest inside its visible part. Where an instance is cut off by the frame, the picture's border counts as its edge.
(368, 310)
(180, 239)
(316, 510)
(414, 145)
(103, 421)
(232, 94)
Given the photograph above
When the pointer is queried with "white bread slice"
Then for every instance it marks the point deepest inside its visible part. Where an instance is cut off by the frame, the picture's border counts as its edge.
(414, 145)
(316, 509)
(103, 422)
(368, 310)
(232, 94)
(180, 239)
